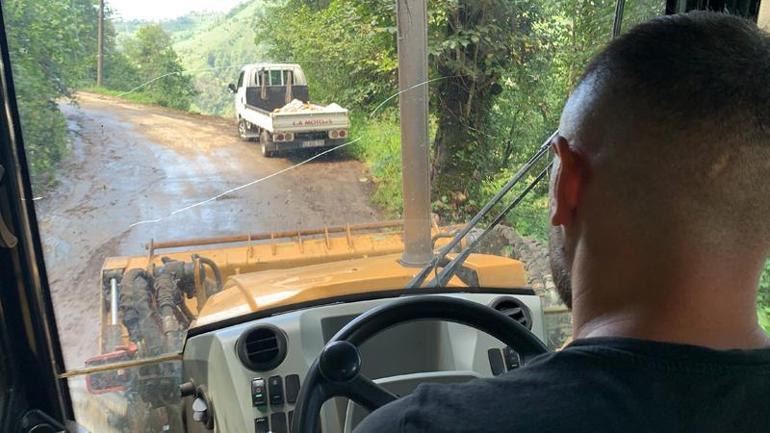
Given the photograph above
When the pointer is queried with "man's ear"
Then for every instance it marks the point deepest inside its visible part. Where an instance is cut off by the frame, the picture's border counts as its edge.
(567, 184)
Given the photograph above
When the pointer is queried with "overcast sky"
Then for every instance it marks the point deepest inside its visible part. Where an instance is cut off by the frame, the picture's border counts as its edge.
(163, 9)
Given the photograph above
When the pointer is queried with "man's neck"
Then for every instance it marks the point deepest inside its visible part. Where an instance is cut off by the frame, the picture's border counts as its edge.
(668, 300)
(749, 336)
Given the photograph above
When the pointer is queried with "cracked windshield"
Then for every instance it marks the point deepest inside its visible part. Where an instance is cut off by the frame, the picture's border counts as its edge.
(197, 162)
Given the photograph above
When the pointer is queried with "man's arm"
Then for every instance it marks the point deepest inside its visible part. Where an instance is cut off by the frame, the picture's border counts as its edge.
(389, 418)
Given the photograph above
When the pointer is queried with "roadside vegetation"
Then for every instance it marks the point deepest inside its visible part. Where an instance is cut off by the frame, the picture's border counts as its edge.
(50, 47)
(53, 50)
(145, 68)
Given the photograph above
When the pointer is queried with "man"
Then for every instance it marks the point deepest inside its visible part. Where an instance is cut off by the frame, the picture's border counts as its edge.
(660, 206)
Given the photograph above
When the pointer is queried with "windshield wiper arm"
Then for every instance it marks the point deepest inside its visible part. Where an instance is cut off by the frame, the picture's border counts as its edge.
(446, 249)
(453, 266)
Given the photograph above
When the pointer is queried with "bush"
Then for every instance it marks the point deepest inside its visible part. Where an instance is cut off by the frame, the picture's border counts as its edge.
(157, 64)
(52, 48)
(379, 146)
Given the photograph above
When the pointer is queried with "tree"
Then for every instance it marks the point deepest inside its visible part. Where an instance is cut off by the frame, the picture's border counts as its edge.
(159, 68)
(472, 50)
(53, 49)
(347, 48)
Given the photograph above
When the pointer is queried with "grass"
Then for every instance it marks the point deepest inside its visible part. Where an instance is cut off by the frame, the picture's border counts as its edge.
(379, 148)
(138, 97)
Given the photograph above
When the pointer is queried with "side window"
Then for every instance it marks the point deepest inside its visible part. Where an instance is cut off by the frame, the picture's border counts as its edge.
(288, 77)
(240, 79)
(257, 82)
(276, 78)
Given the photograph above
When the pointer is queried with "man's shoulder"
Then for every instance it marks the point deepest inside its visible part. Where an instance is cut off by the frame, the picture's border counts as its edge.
(607, 384)
(538, 394)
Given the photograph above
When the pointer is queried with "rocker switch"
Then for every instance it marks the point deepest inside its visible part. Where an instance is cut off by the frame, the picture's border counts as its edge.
(258, 392)
(275, 386)
(261, 425)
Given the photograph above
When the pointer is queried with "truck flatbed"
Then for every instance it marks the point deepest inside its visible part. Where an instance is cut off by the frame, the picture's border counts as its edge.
(273, 107)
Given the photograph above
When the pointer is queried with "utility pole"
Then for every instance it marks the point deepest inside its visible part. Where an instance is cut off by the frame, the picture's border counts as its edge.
(100, 45)
(413, 104)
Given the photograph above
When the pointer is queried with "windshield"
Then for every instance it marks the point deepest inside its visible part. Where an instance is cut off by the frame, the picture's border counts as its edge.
(181, 149)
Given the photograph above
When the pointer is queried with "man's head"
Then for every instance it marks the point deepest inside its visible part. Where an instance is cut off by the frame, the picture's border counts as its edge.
(664, 148)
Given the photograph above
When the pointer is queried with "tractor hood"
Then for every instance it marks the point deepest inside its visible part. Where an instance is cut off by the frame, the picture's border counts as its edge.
(315, 284)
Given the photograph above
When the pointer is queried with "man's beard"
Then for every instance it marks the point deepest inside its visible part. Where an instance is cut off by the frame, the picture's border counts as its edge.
(560, 265)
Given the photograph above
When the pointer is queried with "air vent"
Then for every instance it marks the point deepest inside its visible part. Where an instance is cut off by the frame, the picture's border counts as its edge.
(515, 309)
(261, 348)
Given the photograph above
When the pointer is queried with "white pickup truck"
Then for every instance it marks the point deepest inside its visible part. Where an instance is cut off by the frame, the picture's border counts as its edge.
(272, 106)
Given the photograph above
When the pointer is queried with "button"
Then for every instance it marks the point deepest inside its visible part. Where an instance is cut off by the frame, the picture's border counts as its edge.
(278, 422)
(512, 360)
(496, 362)
(260, 425)
(258, 394)
(275, 387)
(292, 388)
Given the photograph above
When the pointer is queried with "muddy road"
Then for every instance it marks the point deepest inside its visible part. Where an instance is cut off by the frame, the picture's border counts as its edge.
(139, 164)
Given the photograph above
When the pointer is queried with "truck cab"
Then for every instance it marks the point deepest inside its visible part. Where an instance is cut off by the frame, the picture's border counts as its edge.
(272, 106)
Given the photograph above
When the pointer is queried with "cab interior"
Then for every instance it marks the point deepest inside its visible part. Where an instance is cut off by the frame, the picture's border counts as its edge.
(311, 346)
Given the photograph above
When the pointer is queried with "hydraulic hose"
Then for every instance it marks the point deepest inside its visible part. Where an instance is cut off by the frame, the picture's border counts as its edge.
(137, 314)
(169, 297)
(214, 269)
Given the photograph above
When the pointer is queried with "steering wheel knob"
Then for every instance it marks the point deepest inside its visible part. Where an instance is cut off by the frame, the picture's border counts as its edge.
(340, 361)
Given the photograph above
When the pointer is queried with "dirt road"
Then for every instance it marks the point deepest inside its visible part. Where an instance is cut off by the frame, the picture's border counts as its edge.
(132, 163)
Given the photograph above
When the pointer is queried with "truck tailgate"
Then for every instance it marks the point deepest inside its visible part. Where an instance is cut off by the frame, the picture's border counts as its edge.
(304, 121)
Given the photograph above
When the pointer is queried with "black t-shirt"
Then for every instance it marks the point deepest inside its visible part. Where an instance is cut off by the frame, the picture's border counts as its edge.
(598, 385)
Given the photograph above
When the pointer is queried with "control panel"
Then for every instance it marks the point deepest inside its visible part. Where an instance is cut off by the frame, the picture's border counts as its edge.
(247, 397)
(271, 396)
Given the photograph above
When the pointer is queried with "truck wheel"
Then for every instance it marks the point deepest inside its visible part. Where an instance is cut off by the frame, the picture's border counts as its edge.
(268, 150)
(243, 130)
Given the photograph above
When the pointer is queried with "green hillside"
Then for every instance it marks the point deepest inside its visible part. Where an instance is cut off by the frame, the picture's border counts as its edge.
(215, 54)
(212, 48)
(179, 28)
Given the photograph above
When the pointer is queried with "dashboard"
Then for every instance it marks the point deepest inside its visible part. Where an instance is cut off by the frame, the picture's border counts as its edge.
(252, 372)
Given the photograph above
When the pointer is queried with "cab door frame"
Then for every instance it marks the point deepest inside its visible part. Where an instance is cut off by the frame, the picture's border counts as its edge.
(31, 394)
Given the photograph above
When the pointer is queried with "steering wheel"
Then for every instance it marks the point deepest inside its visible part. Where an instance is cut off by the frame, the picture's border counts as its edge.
(337, 371)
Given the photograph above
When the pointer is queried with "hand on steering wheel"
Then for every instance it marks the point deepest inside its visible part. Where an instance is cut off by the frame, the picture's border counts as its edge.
(337, 371)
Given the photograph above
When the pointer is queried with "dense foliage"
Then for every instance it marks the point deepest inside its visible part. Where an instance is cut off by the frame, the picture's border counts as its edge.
(158, 68)
(52, 47)
(347, 49)
(53, 51)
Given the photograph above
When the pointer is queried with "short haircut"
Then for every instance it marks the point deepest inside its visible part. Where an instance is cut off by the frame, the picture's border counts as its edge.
(692, 95)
